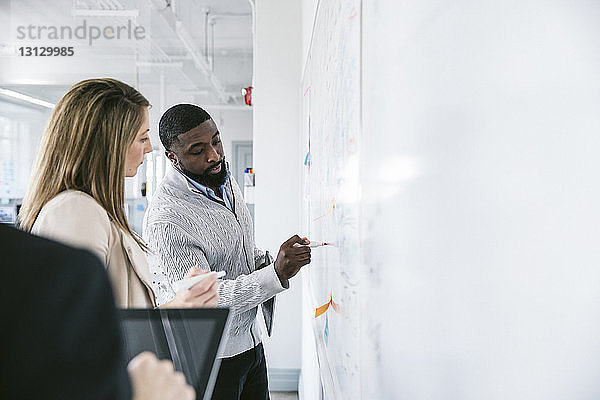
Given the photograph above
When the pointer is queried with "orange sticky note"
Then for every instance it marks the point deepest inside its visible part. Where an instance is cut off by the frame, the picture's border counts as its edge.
(321, 310)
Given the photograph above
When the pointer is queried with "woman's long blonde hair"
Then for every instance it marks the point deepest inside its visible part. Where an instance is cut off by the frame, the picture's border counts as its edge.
(84, 147)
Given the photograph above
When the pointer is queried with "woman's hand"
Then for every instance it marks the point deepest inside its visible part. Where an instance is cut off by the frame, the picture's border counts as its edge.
(201, 295)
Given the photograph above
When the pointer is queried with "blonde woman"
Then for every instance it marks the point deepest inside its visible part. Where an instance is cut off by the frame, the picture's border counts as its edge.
(97, 136)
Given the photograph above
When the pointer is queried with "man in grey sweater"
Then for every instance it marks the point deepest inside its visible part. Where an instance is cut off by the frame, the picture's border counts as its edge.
(198, 218)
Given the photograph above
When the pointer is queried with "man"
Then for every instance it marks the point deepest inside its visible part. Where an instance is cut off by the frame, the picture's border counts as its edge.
(60, 337)
(198, 217)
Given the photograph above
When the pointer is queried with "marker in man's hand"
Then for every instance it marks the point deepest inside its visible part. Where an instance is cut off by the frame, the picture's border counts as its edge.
(313, 244)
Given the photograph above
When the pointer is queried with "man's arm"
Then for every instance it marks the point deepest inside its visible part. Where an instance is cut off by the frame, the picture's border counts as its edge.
(173, 254)
(248, 291)
(266, 282)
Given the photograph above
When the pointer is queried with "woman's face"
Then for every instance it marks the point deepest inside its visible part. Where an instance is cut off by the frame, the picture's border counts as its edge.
(140, 146)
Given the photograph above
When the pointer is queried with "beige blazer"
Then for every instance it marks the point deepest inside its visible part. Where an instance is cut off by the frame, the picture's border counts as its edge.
(75, 218)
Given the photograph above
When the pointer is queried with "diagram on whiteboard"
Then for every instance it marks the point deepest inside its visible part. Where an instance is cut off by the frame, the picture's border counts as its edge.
(332, 127)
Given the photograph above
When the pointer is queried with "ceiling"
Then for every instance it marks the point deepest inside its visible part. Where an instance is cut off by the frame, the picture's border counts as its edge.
(198, 48)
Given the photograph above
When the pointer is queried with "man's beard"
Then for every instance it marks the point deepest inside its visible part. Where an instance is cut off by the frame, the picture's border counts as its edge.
(210, 180)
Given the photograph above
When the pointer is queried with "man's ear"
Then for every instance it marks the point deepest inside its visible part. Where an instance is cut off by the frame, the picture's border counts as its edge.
(172, 157)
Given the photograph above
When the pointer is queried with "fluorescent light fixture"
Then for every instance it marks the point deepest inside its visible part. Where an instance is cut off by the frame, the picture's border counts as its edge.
(24, 97)
(106, 13)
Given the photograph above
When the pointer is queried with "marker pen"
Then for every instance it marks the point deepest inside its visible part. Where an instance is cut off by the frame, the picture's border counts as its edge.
(313, 244)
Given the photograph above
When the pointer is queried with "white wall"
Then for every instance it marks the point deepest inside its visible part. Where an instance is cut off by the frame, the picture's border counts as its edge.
(277, 160)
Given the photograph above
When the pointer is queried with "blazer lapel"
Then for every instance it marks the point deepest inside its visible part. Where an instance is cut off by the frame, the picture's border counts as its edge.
(137, 259)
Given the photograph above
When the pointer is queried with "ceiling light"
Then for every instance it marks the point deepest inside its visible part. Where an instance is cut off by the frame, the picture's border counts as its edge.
(24, 97)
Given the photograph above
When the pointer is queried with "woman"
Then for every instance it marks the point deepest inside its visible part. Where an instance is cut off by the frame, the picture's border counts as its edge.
(97, 136)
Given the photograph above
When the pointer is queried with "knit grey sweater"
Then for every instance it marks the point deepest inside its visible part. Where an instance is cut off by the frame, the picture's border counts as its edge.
(184, 228)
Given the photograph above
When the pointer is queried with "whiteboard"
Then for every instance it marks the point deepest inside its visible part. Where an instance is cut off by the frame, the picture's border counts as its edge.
(468, 258)
(484, 134)
(332, 122)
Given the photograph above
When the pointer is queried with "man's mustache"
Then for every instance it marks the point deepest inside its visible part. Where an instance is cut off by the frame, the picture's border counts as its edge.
(222, 161)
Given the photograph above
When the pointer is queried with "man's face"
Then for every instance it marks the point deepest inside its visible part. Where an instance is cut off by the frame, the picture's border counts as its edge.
(199, 154)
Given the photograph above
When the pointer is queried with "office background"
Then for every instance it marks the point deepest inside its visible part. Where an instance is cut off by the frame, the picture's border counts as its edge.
(478, 172)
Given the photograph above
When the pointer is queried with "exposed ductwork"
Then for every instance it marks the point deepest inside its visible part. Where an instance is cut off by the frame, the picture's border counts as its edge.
(199, 58)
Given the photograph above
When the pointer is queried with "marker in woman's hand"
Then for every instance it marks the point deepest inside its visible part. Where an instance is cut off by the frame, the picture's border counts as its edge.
(187, 283)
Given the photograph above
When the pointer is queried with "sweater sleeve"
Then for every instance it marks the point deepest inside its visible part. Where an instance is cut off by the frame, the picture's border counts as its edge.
(173, 254)
(248, 291)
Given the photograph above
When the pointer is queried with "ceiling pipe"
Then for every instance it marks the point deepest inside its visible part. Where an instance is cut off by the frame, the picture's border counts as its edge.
(170, 18)
(200, 62)
(206, 12)
(174, 8)
(180, 58)
(105, 13)
(230, 14)
(160, 64)
(253, 11)
(212, 22)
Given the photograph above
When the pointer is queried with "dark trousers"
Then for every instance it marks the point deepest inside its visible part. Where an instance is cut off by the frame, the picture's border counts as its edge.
(243, 377)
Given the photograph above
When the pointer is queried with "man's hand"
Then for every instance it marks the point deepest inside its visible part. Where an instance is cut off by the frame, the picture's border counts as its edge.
(152, 379)
(290, 259)
(201, 295)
